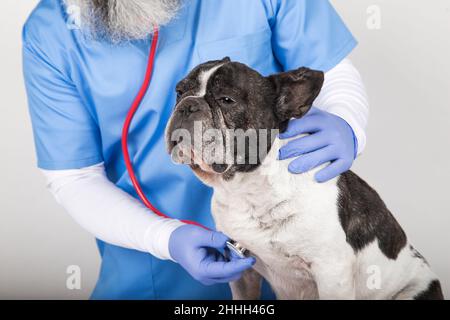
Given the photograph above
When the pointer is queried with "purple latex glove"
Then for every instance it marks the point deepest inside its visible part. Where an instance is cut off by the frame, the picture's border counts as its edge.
(199, 252)
(330, 139)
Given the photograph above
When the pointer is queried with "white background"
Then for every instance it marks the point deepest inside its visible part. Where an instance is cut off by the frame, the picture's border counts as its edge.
(406, 67)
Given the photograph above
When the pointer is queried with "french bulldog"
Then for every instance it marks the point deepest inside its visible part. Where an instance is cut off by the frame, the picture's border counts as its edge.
(333, 240)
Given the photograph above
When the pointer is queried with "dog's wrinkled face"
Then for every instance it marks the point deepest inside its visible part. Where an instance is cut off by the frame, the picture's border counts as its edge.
(227, 115)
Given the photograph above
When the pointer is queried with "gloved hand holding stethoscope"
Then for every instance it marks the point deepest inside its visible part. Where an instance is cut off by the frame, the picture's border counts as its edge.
(206, 255)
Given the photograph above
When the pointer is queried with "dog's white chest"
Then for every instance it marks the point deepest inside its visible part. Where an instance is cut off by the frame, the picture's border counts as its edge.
(280, 217)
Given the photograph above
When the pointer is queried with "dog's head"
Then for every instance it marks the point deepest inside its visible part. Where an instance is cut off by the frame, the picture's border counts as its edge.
(227, 115)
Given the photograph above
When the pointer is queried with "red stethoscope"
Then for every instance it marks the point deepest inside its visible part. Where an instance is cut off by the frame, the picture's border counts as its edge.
(232, 245)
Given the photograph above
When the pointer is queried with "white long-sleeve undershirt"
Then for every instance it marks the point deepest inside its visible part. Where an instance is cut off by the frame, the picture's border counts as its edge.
(112, 215)
(343, 94)
(109, 213)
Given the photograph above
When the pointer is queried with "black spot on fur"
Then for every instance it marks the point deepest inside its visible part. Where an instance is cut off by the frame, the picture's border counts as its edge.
(365, 217)
(433, 292)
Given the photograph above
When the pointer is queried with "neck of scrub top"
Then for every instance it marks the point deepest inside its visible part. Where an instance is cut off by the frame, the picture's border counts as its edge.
(126, 129)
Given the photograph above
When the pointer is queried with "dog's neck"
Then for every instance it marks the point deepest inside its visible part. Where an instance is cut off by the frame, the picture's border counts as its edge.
(262, 154)
(272, 175)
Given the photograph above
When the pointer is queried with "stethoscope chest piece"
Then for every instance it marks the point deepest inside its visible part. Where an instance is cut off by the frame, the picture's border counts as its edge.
(237, 249)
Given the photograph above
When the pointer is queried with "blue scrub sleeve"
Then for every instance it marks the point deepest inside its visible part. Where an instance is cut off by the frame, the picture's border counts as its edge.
(309, 33)
(65, 134)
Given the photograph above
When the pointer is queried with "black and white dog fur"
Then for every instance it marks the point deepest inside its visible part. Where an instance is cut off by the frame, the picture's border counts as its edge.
(311, 240)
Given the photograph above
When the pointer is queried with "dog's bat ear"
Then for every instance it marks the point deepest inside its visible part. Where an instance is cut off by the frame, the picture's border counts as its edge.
(226, 59)
(296, 91)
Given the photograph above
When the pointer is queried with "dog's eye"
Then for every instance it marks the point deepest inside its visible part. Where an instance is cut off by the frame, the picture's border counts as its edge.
(226, 100)
(179, 94)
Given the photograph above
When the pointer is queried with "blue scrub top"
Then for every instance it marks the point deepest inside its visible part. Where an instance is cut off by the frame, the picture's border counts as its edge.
(80, 91)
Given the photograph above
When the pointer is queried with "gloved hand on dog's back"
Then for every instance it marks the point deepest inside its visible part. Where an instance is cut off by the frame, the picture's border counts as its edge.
(199, 252)
(330, 139)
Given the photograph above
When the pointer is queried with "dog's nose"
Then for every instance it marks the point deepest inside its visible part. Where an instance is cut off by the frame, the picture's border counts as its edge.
(189, 108)
(193, 108)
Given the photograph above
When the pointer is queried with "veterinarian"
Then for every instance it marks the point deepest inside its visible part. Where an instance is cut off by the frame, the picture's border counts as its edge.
(84, 61)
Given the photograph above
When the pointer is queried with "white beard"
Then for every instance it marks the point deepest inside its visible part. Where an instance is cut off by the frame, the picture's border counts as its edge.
(124, 20)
